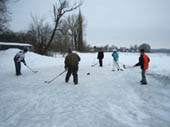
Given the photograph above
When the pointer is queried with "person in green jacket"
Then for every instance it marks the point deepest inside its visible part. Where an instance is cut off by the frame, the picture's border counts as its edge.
(71, 65)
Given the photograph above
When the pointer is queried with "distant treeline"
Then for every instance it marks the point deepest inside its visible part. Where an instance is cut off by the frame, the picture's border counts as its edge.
(162, 50)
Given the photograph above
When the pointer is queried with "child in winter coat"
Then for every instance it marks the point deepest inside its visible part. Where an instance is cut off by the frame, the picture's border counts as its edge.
(144, 64)
(115, 56)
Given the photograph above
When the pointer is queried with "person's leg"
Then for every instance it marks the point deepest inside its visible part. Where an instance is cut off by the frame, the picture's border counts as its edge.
(16, 68)
(100, 62)
(75, 75)
(19, 68)
(114, 65)
(144, 77)
(117, 65)
(68, 74)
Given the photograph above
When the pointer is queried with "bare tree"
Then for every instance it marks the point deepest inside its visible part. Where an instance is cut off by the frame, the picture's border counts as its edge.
(72, 23)
(80, 31)
(59, 10)
(3, 14)
(145, 46)
(65, 41)
(76, 31)
(40, 33)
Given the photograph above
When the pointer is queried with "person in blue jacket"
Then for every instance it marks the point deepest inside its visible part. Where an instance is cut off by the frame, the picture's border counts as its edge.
(115, 56)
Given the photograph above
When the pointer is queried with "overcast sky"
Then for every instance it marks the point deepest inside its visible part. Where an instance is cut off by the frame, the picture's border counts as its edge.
(113, 22)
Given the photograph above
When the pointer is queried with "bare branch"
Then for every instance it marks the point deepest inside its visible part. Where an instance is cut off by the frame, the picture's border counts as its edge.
(71, 9)
(54, 12)
(58, 14)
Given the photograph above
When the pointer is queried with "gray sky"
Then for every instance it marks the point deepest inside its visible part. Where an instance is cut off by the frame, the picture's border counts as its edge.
(113, 22)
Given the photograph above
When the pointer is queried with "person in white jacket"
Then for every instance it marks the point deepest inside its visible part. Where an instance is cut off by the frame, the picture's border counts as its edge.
(18, 58)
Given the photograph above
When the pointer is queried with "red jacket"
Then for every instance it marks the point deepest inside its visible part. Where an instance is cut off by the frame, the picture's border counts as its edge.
(143, 61)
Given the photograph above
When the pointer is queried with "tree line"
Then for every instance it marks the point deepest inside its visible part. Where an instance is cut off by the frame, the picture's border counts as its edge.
(67, 31)
(132, 48)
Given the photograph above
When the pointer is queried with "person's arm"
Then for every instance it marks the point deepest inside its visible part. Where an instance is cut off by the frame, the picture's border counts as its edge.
(66, 62)
(102, 55)
(116, 57)
(78, 58)
(98, 55)
(22, 58)
(16, 57)
(140, 62)
(148, 60)
(24, 62)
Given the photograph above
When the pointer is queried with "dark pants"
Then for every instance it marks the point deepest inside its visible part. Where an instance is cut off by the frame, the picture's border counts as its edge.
(143, 76)
(100, 62)
(18, 67)
(72, 70)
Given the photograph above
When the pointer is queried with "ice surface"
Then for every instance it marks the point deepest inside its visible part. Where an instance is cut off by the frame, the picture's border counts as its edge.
(101, 99)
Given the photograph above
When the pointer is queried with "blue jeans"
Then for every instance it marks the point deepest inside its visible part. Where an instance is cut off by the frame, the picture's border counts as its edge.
(18, 67)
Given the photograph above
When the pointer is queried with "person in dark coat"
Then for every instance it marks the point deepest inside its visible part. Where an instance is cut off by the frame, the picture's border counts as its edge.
(71, 65)
(144, 64)
(100, 56)
(18, 58)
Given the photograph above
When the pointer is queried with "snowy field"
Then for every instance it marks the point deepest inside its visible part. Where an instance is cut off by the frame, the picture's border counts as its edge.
(102, 99)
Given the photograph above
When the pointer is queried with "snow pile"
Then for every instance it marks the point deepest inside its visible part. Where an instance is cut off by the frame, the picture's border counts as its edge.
(102, 99)
(14, 44)
(160, 64)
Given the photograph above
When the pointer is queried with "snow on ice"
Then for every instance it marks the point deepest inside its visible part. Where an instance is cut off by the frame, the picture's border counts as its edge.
(102, 99)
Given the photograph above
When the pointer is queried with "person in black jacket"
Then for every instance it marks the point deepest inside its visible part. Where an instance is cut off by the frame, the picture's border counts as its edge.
(100, 56)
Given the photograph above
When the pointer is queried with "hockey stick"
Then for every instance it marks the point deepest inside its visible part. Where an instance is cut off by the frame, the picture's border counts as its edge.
(55, 77)
(119, 66)
(31, 69)
(94, 64)
(126, 67)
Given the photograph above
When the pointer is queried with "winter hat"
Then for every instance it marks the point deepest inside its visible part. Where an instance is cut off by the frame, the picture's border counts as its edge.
(25, 50)
(142, 50)
(114, 50)
(69, 50)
